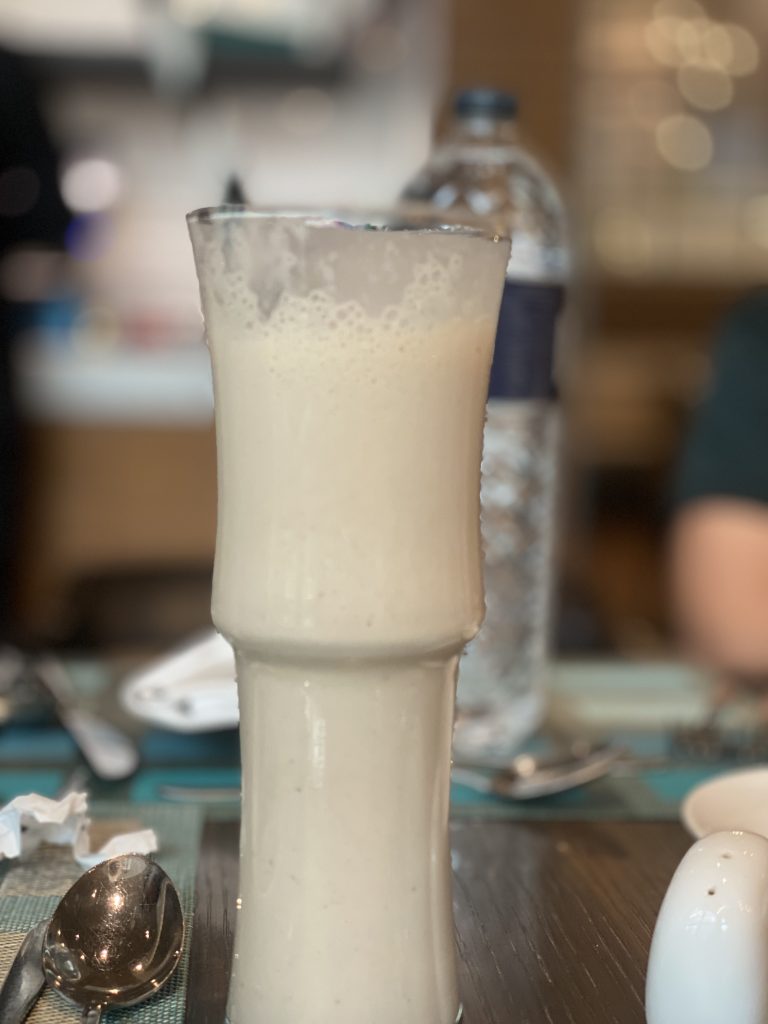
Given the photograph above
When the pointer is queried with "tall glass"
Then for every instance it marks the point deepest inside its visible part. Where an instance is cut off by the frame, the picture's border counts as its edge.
(350, 371)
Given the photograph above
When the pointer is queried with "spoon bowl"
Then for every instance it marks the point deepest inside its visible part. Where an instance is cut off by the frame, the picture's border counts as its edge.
(116, 936)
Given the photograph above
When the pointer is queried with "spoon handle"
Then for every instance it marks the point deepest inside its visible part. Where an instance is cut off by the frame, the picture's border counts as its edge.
(91, 1015)
(24, 981)
(111, 753)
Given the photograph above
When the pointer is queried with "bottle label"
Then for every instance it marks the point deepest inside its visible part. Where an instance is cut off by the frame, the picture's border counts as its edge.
(523, 359)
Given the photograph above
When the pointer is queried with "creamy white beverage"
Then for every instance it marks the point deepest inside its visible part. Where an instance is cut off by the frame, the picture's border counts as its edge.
(350, 372)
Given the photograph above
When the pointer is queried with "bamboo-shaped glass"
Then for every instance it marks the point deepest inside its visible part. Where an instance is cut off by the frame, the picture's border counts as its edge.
(350, 368)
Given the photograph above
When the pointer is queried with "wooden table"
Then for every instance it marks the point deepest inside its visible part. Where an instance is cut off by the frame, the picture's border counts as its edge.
(554, 919)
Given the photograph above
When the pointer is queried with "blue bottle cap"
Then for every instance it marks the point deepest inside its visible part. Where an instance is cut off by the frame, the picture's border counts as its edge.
(485, 102)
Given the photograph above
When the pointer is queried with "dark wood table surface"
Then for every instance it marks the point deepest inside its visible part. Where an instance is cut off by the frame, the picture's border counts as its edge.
(554, 919)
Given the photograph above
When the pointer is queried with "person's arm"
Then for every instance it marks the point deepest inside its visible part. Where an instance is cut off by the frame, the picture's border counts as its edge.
(719, 561)
(719, 536)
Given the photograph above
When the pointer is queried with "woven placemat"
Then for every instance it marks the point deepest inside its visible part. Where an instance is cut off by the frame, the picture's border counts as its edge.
(29, 892)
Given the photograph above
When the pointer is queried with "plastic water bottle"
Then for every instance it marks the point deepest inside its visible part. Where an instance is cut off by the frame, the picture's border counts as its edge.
(482, 166)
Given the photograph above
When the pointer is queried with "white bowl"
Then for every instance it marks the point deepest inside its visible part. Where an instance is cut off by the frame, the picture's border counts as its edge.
(737, 800)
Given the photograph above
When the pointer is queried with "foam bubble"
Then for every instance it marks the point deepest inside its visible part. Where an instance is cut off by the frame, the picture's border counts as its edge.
(251, 293)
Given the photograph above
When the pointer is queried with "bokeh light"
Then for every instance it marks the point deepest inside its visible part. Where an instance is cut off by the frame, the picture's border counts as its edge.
(716, 47)
(682, 36)
(83, 239)
(662, 40)
(685, 142)
(90, 184)
(688, 39)
(745, 53)
(707, 88)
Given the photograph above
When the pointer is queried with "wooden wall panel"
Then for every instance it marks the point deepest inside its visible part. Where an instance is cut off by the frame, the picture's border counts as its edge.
(527, 48)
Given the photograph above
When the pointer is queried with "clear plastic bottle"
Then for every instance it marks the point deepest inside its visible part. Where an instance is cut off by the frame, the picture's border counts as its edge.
(482, 166)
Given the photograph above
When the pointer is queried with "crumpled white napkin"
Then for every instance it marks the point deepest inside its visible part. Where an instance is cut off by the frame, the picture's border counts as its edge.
(32, 819)
(191, 689)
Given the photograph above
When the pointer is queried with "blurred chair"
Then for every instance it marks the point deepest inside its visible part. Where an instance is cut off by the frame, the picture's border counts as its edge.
(140, 608)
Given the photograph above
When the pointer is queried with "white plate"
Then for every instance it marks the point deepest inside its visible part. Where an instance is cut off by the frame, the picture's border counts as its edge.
(189, 690)
(734, 801)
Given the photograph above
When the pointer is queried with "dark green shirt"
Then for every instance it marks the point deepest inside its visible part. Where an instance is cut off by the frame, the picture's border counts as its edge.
(726, 452)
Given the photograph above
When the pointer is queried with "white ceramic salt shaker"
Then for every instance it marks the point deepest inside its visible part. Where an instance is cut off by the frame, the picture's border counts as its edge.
(709, 954)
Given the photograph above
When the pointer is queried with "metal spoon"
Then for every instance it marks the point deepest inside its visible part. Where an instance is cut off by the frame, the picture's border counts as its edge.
(116, 936)
(24, 981)
(527, 776)
(110, 752)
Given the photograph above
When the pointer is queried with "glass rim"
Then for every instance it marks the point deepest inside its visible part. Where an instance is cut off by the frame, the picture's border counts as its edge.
(415, 218)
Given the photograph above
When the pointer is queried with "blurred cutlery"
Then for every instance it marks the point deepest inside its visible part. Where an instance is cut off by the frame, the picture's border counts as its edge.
(528, 776)
(110, 753)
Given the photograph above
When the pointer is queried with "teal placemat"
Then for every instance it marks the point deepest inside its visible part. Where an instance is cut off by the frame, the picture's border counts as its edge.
(648, 784)
(636, 705)
(29, 892)
(644, 791)
(645, 796)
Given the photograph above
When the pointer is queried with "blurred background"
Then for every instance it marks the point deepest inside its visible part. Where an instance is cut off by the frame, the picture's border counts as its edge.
(119, 117)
